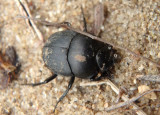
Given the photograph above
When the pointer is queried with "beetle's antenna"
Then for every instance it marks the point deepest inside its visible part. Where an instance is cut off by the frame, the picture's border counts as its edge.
(65, 93)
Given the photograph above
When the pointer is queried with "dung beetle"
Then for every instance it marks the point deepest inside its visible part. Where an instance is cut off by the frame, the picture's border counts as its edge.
(72, 54)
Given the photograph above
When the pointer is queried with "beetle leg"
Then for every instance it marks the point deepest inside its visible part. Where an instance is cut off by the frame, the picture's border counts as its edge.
(84, 20)
(95, 78)
(44, 82)
(65, 93)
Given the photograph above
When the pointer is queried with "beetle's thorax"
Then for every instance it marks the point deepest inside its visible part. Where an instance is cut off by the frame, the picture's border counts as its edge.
(105, 58)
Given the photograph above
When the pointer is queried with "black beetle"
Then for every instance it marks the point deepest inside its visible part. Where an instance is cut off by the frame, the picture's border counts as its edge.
(69, 53)
(72, 54)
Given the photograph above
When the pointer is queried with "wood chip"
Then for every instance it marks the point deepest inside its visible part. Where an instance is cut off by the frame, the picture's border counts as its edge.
(144, 88)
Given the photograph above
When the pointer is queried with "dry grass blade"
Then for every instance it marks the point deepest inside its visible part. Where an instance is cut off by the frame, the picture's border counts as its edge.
(122, 104)
(24, 9)
(98, 18)
(46, 23)
(154, 78)
(116, 90)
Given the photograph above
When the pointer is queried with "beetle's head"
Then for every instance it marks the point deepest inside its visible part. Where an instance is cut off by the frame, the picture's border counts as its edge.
(106, 57)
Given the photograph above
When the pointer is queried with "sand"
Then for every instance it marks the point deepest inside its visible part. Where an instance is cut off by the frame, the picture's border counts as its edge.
(132, 24)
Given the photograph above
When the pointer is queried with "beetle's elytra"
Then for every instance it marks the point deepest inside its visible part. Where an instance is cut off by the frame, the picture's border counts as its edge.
(69, 53)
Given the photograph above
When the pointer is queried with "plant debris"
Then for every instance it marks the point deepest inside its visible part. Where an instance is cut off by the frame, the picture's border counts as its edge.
(144, 88)
(9, 66)
(122, 104)
(153, 78)
(117, 91)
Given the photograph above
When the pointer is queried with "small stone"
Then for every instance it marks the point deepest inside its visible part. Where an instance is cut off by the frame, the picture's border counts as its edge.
(159, 55)
(135, 81)
(132, 88)
(106, 105)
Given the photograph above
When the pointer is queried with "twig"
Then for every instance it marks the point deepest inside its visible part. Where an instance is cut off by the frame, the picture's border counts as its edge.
(154, 78)
(24, 9)
(68, 26)
(122, 90)
(122, 104)
(116, 90)
(98, 18)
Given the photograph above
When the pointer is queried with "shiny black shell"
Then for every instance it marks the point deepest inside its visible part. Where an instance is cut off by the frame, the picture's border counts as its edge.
(69, 53)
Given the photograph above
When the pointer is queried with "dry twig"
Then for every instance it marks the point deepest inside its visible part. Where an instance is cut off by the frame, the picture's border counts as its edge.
(122, 104)
(24, 9)
(68, 26)
(98, 19)
(154, 78)
(116, 90)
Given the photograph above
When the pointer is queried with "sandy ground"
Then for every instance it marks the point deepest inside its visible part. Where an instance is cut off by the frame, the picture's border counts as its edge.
(132, 24)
